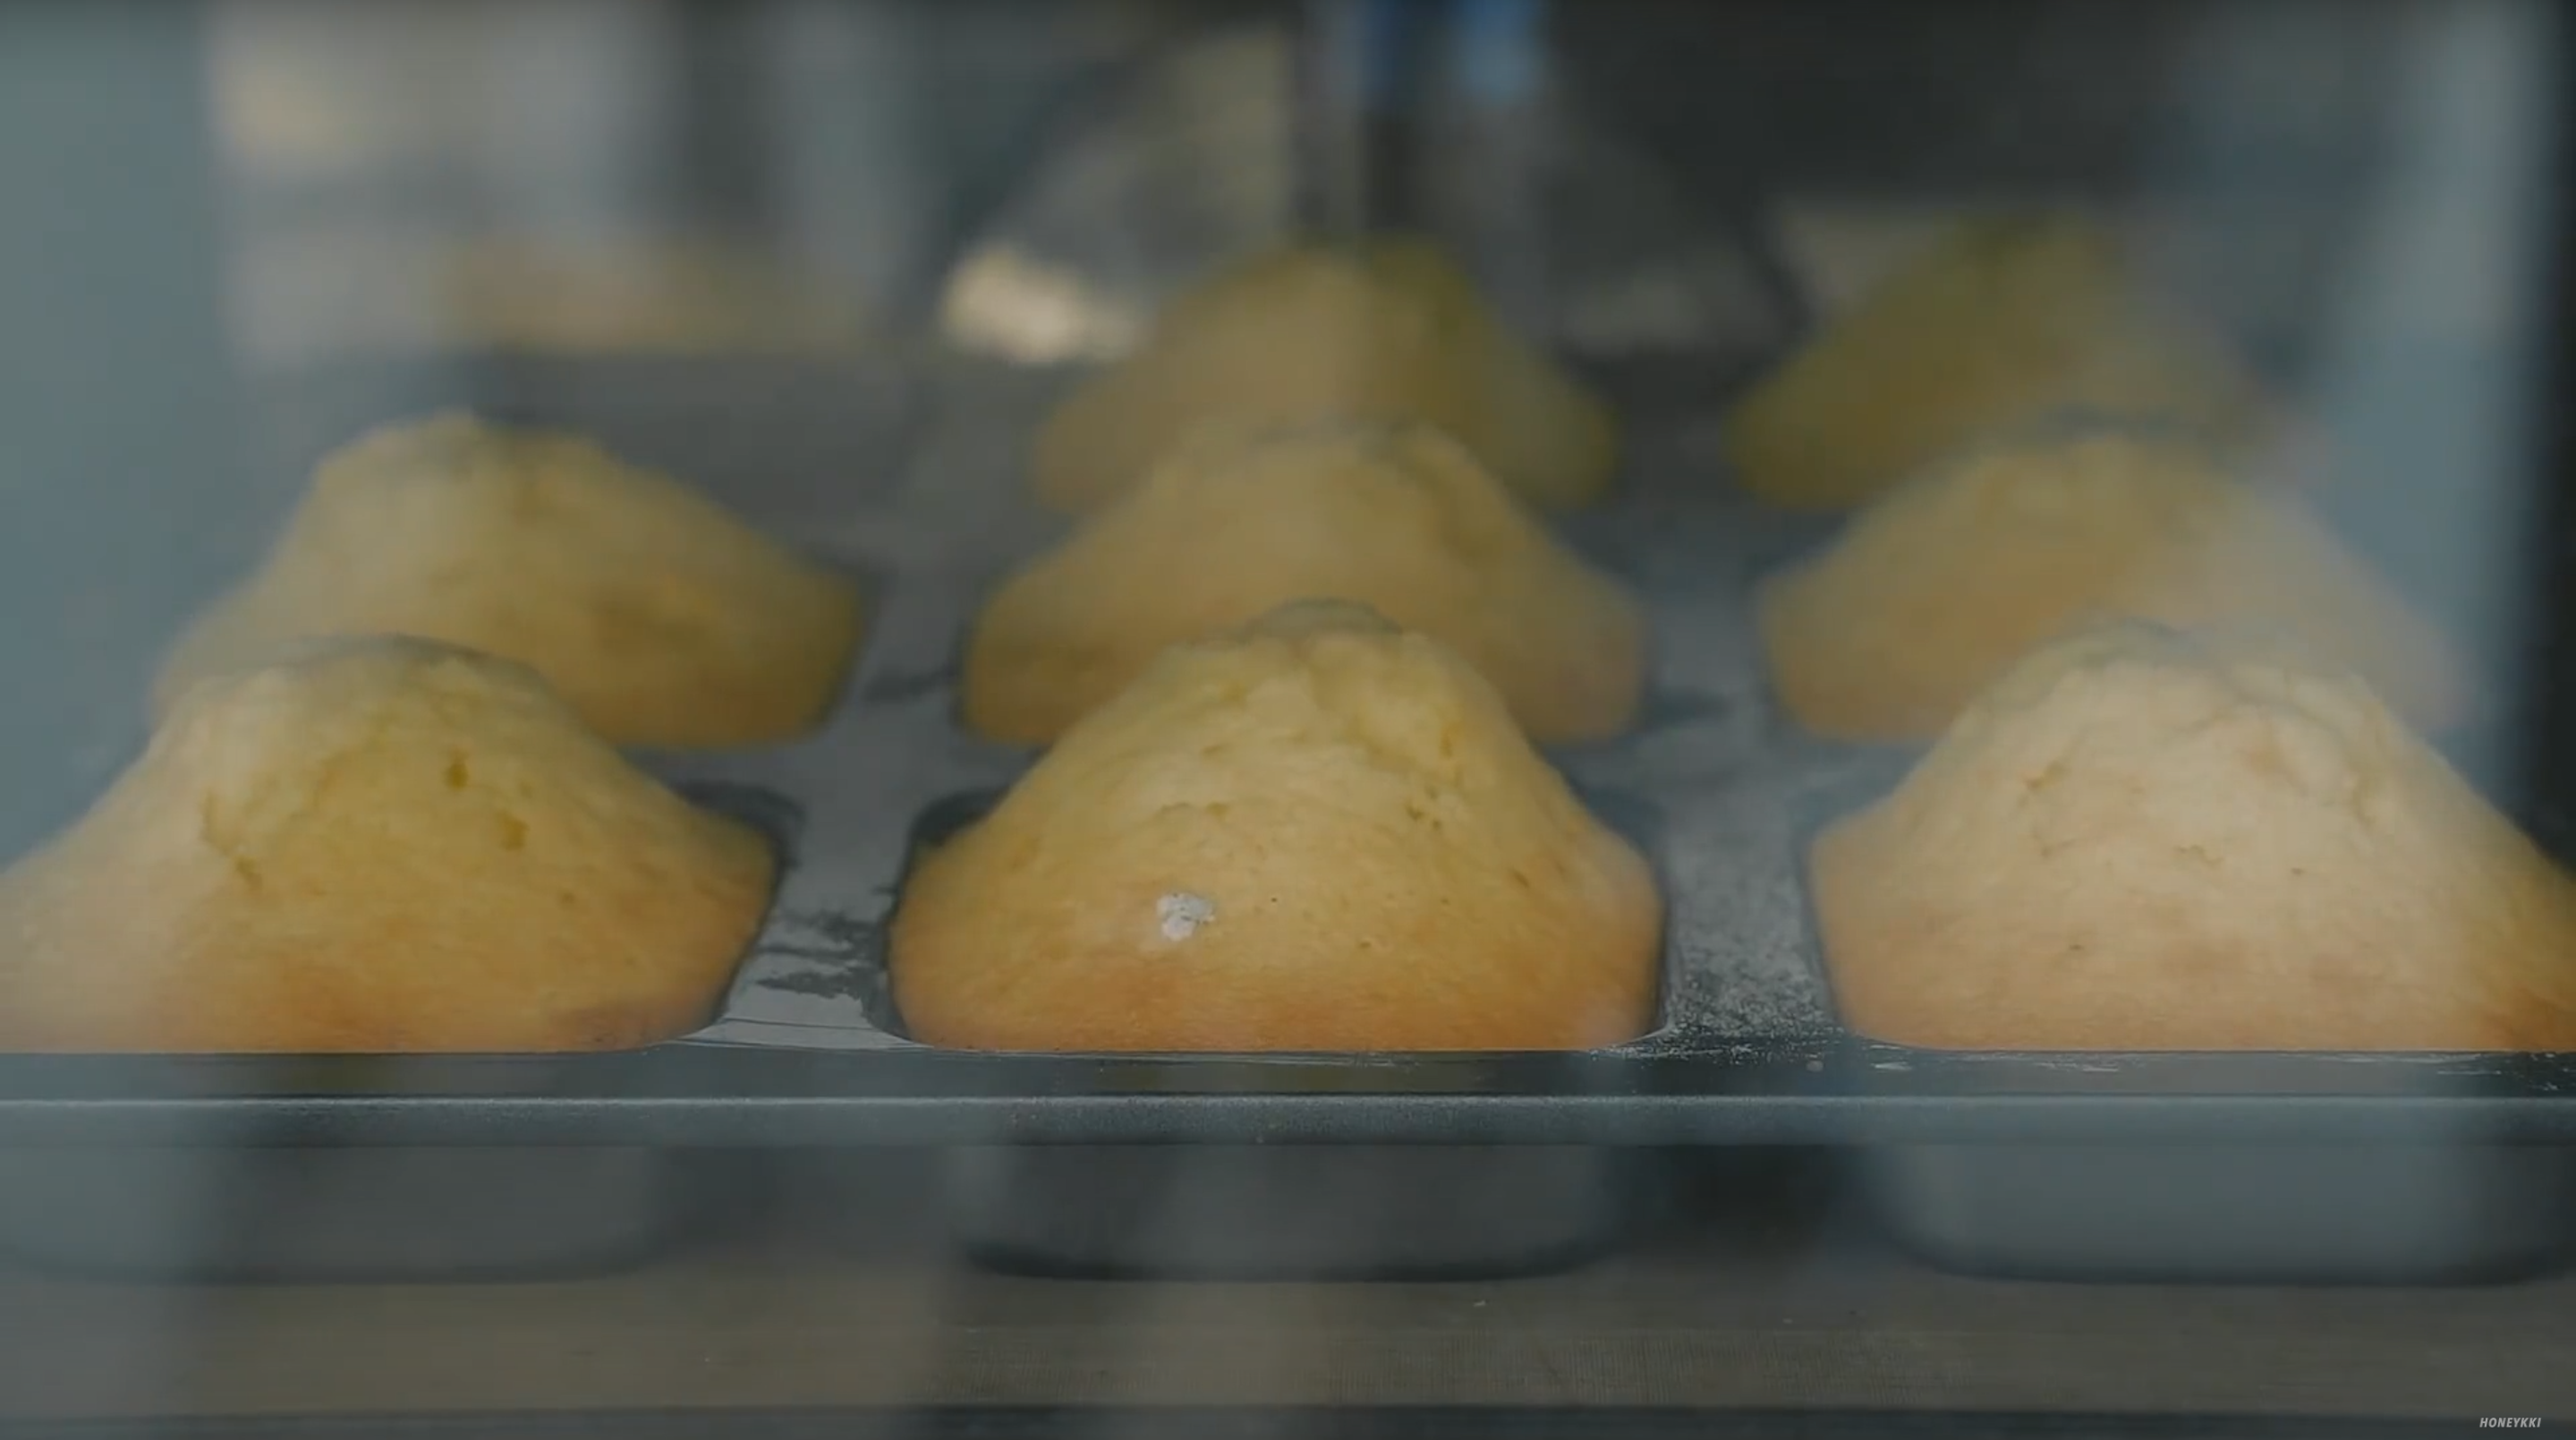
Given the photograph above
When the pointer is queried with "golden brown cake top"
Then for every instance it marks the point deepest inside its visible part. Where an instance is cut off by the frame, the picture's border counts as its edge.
(1930, 593)
(1320, 832)
(1387, 328)
(1390, 707)
(377, 843)
(2006, 319)
(1242, 517)
(665, 619)
(2145, 838)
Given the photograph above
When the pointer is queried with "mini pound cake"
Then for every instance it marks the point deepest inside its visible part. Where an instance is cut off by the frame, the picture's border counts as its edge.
(2144, 840)
(382, 845)
(2003, 320)
(1385, 328)
(1319, 832)
(1237, 521)
(662, 618)
(1935, 590)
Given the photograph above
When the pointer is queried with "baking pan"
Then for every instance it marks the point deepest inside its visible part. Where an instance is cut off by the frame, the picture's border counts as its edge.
(2452, 1198)
(1347, 1212)
(2427, 1208)
(2424, 1209)
(915, 481)
(1294, 1211)
(252, 1210)
(2407, 1213)
(304, 1214)
(315, 1214)
(928, 500)
(1270, 1212)
(2165, 1166)
(909, 466)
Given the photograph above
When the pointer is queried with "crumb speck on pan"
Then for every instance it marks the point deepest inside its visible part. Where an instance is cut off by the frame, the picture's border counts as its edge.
(1181, 914)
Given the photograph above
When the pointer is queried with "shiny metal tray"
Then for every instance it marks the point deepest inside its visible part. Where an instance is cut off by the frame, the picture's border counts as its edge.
(910, 472)
(906, 464)
(908, 469)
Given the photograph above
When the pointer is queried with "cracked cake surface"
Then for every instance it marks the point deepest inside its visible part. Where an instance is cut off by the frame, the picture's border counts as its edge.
(2005, 319)
(2147, 839)
(1934, 591)
(663, 618)
(377, 844)
(1239, 520)
(1389, 328)
(1317, 832)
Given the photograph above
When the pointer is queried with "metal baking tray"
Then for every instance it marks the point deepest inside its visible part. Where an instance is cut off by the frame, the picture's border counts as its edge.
(2424, 1209)
(911, 472)
(2413, 1213)
(319, 1213)
(1377, 1212)
(1265, 1212)
(907, 465)
(335, 1213)
(251, 1210)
